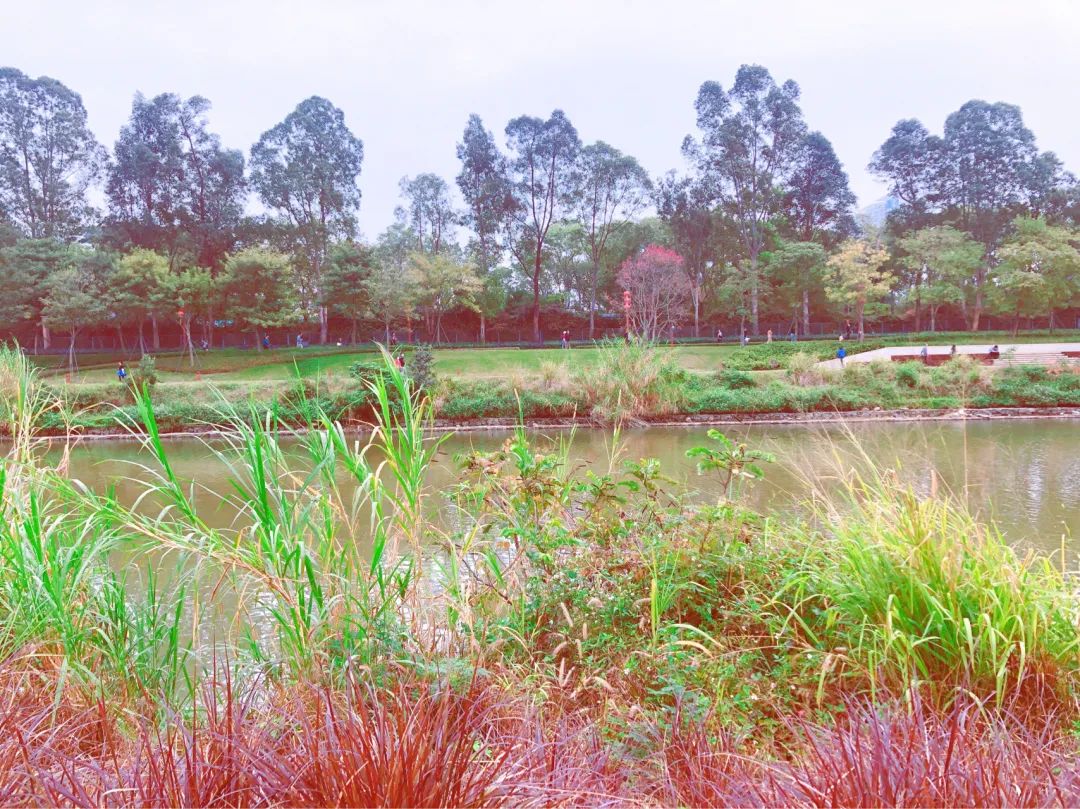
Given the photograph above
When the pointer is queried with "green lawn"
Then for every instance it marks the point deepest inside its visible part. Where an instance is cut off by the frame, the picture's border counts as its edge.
(465, 363)
(235, 365)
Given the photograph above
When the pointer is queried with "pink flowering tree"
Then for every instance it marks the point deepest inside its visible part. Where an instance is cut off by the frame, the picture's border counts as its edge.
(659, 291)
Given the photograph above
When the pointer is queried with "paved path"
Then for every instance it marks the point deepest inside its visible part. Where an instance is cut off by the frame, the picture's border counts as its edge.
(1011, 353)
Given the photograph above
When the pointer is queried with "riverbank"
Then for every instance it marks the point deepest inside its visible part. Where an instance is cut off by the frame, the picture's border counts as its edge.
(620, 385)
(570, 636)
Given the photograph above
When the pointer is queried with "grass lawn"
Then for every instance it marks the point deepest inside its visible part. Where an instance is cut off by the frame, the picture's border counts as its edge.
(466, 363)
(236, 365)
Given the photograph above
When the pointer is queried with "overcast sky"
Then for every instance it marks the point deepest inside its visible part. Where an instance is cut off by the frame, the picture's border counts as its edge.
(407, 74)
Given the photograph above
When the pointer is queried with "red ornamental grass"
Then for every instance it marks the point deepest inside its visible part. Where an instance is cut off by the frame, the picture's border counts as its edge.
(892, 756)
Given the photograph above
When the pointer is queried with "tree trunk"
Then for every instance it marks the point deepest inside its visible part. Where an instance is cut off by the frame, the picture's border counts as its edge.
(142, 337)
(1051, 321)
(695, 294)
(918, 300)
(754, 323)
(806, 311)
(933, 318)
(352, 333)
(46, 338)
(386, 342)
(71, 351)
(324, 324)
(258, 339)
(536, 299)
(120, 337)
(154, 332)
(977, 307)
(483, 328)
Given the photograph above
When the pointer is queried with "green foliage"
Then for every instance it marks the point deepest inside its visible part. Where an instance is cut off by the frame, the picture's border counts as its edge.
(421, 368)
(733, 461)
(631, 380)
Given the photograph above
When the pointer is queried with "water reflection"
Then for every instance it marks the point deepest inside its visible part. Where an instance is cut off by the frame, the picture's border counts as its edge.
(1025, 474)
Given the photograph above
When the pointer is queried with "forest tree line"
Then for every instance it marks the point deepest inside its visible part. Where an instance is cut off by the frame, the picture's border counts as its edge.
(759, 231)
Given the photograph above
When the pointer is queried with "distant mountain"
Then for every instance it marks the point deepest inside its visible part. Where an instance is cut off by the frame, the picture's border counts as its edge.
(875, 212)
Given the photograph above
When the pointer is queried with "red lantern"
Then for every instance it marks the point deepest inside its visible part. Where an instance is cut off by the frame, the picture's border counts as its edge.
(626, 299)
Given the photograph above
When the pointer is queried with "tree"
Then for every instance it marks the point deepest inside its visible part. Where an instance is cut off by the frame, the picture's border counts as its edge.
(305, 169)
(659, 292)
(348, 267)
(392, 292)
(800, 268)
(25, 270)
(258, 290)
(612, 189)
(141, 290)
(77, 295)
(429, 211)
(682, 206)
(486, 189)
(750, 138)
(492, 297)
(942, 259)
(1039, 270)
(858, 278)
(567, 268)
(196, 291)
(818, 200)
(978, 176)
(909, 161)
(442, 284)
(542, 182)
(172, 188)
(48, 156)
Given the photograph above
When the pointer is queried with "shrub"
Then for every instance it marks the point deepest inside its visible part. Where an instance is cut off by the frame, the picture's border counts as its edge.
(802, 369)
(733, 379)
(631, 380)
(421, 368)
(145, 374)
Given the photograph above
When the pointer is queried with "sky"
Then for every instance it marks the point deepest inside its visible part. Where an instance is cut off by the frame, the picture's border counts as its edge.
(407, 74)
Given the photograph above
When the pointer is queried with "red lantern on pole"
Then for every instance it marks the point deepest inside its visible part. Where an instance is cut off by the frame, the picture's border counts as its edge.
(626, 307)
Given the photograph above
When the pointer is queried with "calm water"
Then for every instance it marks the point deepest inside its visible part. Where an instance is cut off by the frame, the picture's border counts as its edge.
(1025, 474)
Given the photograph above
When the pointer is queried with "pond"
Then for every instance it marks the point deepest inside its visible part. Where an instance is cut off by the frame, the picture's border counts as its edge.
(1023, 474)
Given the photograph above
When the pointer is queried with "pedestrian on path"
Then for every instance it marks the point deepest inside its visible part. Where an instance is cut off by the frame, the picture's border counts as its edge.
(719, 335)
(121, 371)
(768, 336)
(925, 354)
(840, 354)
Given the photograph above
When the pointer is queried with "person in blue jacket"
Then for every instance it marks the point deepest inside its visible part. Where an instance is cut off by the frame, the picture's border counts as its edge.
(840, 354)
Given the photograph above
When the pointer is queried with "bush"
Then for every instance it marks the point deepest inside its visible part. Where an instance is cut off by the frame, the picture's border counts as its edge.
(145, 374)
(802, 369)
(421, 368)
(734, 380)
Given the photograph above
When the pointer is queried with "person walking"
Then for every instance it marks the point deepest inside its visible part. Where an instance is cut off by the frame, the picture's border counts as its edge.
(924, 352)
(565, 339)
(840, 354)
(952, 352)
(266, 342)
(768, 336)
(121, 371)
(719, 335)
(792, 336)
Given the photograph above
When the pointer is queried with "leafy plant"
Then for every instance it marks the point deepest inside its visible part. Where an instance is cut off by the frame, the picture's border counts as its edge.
(733, 461)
